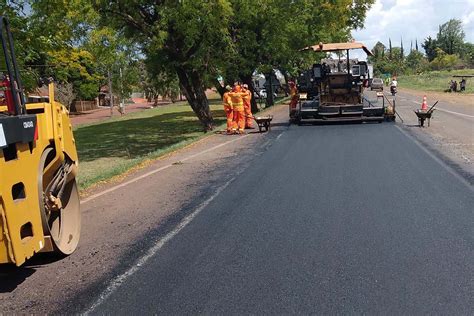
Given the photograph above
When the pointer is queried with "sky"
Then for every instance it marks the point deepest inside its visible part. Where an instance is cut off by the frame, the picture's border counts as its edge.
(411, 20)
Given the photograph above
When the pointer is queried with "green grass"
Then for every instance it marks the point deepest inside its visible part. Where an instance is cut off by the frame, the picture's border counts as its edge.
(112, 147)
(436, 80)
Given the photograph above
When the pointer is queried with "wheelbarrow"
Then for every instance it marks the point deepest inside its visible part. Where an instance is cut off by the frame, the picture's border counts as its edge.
(262, 122)
(425, 115)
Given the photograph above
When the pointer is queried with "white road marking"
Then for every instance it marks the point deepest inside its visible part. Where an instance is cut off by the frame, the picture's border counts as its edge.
(447, 111)
(435, 158)
(143, 176)
(120, 279)
(455, 113)
(278, 137)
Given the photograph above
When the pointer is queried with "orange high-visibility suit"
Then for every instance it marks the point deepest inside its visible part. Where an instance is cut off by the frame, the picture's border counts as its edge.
(236, 98)
(247, 108)
(229, 112)
(294, 98)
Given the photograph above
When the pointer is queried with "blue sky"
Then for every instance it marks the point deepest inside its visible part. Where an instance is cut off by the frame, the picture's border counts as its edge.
(413, 19)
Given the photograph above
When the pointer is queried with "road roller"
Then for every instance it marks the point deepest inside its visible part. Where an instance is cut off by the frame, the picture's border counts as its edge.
(39, 198)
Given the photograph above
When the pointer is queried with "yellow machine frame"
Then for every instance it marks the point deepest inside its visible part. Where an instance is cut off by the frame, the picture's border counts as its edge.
(21, 227)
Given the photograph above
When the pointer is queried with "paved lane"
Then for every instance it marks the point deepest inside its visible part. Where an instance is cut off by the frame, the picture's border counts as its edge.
(330, 219)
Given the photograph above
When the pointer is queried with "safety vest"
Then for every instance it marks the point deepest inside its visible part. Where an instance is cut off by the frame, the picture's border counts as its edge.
(293, 91)
(237, 100)
(226, 99)
(247, 96)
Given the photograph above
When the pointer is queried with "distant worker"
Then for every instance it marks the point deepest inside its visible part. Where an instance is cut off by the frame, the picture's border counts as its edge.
(393, 85)
(294, 97)
(462, 85)
(236, 97)
(394, 82)
(455, 86)
(247, 106)
(451, 85)
(228, 109)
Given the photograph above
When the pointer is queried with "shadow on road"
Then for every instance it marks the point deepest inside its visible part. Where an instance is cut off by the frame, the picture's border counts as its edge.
(11, 276)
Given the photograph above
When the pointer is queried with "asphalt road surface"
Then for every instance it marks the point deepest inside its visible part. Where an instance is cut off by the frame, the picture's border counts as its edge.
(347, 218)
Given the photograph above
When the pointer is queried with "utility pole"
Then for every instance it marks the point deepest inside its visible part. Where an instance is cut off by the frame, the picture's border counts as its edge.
(111, 95)
(122, 105)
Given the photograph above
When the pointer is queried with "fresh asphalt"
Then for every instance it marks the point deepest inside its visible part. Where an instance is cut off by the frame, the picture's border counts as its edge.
(346, 218)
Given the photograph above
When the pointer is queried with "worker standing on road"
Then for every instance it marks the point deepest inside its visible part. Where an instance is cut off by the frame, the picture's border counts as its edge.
(294, 97)
(247, 107)
(236, 97)
(228, 109)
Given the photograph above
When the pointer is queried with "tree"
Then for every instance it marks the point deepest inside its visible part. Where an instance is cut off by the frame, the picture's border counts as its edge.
(185, 38)
(269, 34)
(415, 62)
(444, 61)
(378, 50)
(451, 37)
(390, 48)
(402, 55)
(468, 54)
(430, 45)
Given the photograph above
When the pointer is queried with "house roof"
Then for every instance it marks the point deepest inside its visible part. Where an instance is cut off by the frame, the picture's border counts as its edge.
(332, 47)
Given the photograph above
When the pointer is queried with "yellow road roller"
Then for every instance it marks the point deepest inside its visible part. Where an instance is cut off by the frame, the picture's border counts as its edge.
(39, 198)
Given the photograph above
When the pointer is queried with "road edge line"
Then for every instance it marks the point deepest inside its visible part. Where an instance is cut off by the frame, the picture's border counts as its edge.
(118, 280)
(436, 158)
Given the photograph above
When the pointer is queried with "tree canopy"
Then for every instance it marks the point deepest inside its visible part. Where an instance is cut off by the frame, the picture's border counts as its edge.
(175, 42)
(445, 52)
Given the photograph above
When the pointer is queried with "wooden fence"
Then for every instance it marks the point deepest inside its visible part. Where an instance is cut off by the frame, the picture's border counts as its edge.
(81, 106)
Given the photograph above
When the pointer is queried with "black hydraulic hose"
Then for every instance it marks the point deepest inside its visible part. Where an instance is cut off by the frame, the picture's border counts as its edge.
(16, 86)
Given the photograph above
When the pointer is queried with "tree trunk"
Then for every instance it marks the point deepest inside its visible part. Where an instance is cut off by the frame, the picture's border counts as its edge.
(192, 87)
(219, 88)
(247, 79)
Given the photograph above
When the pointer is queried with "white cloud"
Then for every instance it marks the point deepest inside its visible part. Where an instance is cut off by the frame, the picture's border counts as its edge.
(413, 19)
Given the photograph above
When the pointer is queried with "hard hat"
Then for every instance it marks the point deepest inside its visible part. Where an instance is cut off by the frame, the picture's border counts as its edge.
(246, 86)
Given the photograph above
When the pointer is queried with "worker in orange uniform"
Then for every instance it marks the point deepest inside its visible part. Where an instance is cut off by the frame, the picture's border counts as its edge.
(229, 112)
(294, 98)
(236, 97)
(247, 107)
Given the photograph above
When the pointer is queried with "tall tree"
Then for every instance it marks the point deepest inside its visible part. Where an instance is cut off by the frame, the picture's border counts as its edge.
(451, 37)
(430, 45)
(187, 38)
(401, 49)
(390, 48)
(416, 44)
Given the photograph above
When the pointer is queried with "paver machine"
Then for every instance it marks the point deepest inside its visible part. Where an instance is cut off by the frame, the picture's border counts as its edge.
(39, 200)
(332, 90)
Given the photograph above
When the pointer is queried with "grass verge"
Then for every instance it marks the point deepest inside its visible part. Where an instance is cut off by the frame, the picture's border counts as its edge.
(436, 80)
(112, 147)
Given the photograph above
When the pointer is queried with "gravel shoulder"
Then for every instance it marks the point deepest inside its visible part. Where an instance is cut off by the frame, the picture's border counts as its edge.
(451, 132)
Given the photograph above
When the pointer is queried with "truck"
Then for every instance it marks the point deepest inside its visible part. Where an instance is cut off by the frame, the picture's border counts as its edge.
(333, 89)
(39, 198)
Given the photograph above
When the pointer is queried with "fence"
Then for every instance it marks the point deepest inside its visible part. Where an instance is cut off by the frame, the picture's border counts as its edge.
(81, 106)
